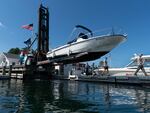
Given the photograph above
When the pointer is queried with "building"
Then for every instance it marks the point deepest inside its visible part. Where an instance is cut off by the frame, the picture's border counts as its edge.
(7, 59)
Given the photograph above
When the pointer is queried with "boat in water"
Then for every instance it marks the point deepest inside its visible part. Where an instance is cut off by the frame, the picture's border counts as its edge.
(73, 75)
(85, 47)
(130, 69)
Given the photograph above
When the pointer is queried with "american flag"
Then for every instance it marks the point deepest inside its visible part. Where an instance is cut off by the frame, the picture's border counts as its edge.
(29, 26)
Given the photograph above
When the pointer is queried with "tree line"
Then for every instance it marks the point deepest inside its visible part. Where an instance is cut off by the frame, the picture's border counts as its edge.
(16, 50)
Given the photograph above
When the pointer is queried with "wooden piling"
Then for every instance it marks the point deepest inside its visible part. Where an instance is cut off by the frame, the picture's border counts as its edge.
(10, 70)
(4, 70)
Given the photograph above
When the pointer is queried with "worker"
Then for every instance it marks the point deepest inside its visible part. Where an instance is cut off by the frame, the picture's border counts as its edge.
(140, 63)
(21, 58)
(105, 66)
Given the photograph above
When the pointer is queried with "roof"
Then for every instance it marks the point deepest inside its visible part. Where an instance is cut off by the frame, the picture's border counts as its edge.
(9, 55)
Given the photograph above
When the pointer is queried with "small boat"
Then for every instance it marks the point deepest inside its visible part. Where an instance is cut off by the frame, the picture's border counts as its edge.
(85, 47)
(130, 69)
(73, 75)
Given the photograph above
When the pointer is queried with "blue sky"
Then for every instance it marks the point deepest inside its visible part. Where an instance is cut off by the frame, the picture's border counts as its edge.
(131, 15)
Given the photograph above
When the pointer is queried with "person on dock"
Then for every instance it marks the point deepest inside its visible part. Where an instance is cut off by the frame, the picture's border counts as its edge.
(87, 69)
(140, 63)
(105, 66)
(21, 58)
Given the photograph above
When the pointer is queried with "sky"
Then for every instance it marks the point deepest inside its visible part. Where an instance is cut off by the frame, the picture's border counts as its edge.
(132, 16)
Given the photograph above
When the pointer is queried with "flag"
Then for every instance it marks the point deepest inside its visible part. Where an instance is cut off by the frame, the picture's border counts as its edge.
(29, 26)
(28, 42)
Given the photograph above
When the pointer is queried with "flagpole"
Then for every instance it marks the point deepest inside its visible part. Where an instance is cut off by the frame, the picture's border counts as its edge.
(30, 27)
(32, 38)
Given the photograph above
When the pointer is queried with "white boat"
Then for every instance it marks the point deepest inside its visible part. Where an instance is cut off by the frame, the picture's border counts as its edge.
(85, 47)
(72, 77)
(130, 69)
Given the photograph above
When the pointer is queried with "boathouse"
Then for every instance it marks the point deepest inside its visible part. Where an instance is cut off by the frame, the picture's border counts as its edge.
(7, 59)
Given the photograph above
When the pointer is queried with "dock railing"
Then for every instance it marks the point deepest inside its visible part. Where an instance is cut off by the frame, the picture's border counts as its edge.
(107, 32)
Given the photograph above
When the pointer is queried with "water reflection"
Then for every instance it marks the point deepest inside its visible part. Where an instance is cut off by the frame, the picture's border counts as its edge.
(71, 96)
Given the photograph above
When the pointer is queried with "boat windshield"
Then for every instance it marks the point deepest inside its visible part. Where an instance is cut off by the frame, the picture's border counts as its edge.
(80, 32)
(134, 63)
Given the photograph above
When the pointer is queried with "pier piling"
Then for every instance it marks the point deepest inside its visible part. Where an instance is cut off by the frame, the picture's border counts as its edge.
(10, 69)
(4, 70)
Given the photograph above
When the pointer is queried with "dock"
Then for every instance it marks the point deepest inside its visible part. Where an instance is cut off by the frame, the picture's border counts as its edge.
(25, 72)
(128, 80)
(38, 72)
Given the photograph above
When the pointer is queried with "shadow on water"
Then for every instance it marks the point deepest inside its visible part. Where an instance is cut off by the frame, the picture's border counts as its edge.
(57, 96)
(49, 96)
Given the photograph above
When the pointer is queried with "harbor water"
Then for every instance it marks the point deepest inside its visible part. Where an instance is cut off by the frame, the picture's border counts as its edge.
(57, 96)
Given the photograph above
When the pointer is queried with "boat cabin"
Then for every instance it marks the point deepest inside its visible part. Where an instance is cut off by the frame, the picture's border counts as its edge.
(81, 37)
(81, 33)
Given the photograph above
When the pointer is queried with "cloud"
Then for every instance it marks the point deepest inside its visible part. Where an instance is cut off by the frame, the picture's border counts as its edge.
(2, 25)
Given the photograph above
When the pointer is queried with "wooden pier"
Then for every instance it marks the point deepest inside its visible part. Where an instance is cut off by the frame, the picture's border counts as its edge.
(26, 72)
(128, 80)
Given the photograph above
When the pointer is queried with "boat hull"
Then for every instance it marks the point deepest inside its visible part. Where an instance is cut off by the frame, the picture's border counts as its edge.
(86, 50)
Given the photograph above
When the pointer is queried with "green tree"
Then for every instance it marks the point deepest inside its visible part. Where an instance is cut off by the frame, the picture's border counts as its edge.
(14, 50)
